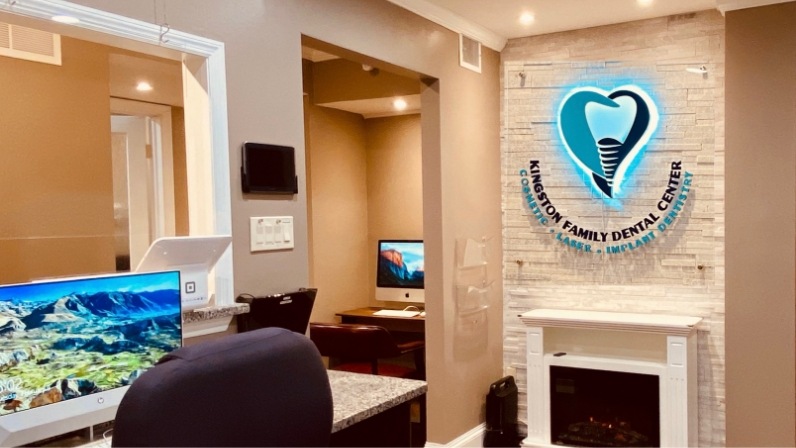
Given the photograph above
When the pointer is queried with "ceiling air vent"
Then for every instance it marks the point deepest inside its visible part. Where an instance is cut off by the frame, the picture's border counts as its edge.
(469, 53)
(29, 44)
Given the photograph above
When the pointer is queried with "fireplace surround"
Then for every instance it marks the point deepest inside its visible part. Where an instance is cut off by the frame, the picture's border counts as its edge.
(590, 363)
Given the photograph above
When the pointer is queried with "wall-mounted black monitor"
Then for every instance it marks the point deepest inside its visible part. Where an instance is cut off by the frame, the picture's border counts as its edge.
(268, 169)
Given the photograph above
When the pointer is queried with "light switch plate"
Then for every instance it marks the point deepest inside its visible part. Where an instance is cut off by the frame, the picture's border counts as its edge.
(271, 233)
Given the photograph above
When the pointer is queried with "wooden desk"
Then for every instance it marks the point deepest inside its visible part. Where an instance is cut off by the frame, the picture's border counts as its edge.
(365, 316)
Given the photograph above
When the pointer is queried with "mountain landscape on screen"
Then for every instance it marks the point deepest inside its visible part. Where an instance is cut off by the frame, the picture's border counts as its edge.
(66, 346)
(393, 271)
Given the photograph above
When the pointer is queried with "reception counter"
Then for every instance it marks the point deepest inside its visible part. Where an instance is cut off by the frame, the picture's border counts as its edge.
(214, 312)
(357, 396)
(211, 319)
(369, 410)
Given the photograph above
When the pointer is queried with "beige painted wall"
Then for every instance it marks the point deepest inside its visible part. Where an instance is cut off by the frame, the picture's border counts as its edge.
(395, 187)
(461, 157)
(461, 199)
(56, 188)
(761, 213)
(340, 211)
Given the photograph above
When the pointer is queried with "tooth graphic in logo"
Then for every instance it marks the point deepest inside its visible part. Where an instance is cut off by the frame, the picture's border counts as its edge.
(605, 131)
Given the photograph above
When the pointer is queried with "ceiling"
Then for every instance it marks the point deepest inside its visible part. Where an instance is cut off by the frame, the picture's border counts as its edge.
(492, 22)
(550, 16)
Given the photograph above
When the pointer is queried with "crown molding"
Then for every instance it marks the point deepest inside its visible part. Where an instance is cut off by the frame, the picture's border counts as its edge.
(732, 5)
(116, 25)
(453, 22)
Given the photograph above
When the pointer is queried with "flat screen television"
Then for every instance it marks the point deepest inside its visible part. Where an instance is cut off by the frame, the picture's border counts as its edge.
(400, 271)
(268, 169)
(70, 348)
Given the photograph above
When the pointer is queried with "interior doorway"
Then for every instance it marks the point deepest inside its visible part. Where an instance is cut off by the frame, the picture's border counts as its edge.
(364, 170)
(143, 178)
(364, 181)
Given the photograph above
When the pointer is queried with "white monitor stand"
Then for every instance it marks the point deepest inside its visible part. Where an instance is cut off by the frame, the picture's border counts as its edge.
(193, 256)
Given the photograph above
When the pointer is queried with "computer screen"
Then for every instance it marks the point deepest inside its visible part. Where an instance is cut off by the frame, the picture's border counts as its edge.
(400, 271)
(69, 348)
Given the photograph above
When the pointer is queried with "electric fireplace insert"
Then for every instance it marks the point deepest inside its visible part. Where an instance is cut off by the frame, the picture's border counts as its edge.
(603, 408)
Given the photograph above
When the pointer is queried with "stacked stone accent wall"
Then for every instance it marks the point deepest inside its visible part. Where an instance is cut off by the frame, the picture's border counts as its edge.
(681, 271)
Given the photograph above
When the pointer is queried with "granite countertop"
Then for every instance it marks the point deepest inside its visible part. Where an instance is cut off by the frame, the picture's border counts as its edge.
(214, 312)
(358, 396)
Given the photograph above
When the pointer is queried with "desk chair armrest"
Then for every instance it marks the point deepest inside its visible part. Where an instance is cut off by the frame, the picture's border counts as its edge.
(418, 349)
(410, 346)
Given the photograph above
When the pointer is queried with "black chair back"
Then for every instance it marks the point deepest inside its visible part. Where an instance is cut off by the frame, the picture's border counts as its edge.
(289, 310)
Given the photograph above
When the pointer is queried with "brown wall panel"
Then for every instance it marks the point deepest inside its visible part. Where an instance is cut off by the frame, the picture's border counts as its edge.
(55, 142)
(761, 223)
(34, 259)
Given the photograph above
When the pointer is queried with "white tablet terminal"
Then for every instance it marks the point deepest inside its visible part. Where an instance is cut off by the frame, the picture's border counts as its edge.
(193, 256)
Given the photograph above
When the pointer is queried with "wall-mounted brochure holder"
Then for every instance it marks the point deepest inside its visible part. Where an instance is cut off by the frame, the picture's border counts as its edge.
(471, 253)
(472, 280)
(472, 298)
(470, 335)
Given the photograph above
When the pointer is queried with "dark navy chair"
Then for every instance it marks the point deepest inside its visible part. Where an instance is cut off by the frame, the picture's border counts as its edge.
(266, 387)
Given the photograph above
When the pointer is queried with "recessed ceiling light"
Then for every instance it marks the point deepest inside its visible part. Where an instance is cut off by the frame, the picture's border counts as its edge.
(644, 2)
(527, 18)
(399, 104)
(143, 86)
(69, 20)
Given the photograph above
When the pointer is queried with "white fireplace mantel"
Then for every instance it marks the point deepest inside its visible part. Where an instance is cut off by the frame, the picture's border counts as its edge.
(663, 345)
(599, 320)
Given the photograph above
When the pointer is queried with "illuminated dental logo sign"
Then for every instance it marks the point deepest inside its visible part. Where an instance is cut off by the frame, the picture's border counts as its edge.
(604, 132)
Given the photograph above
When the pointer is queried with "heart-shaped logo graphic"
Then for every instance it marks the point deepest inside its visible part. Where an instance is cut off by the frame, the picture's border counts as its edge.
(605, 131)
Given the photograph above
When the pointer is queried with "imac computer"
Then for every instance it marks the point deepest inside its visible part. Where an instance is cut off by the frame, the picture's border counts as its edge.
(400, 271)
(193, 256)
(70, 348)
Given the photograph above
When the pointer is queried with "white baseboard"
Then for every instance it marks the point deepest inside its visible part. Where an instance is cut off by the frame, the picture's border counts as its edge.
(471, 439)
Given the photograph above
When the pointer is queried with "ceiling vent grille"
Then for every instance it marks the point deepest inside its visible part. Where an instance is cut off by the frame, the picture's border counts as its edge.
(29, 44)
(469, 53)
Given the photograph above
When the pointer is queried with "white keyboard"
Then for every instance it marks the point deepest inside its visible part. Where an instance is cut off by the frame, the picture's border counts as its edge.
(396, 313)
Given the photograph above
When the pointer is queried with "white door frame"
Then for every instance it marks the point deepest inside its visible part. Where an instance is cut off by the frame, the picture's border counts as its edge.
(159, 130)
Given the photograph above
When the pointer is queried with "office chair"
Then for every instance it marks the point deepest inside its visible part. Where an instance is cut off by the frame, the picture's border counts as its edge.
(360, 347)
(266, 387)
(289, 310)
